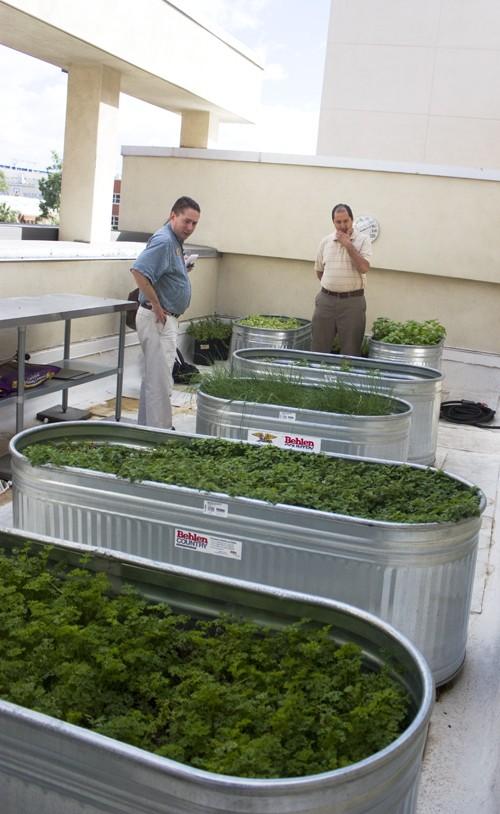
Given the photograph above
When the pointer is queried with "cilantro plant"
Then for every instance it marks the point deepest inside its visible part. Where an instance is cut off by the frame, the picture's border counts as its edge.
(430, 332)
(270, 322)
(223, 694)
(397, 493)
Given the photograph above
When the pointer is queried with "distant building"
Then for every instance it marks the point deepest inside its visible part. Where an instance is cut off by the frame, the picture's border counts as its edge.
(23, 181)
(115, 213)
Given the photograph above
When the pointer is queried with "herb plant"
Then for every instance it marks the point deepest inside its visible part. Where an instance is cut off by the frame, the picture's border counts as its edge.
(224, 695)
(210, 328)
(270, 322)
(381, 491)
(288, 391)
(430, 332)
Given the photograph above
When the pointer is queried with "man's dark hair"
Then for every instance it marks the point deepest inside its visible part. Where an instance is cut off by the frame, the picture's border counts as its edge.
(185, 203)
(342, 206)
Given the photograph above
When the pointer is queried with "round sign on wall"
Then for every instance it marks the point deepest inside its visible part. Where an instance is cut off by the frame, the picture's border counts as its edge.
(368, 225)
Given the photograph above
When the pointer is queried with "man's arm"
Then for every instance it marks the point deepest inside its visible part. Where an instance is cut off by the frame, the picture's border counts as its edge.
(319, 265)
(360, 263)
(150, 294)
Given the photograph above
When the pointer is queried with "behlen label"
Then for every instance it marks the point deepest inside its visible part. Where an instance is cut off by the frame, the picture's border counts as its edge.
(285, 440)
(207, 544)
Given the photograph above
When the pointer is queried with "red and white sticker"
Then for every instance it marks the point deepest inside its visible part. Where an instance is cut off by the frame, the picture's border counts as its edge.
(285, 440)
(207, 544)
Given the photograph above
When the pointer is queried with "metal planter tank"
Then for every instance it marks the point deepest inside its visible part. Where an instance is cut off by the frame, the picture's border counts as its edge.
(53, 767)
(420, 386)
(422, 355)
(416, 576)
(246, 336)
(380, 436)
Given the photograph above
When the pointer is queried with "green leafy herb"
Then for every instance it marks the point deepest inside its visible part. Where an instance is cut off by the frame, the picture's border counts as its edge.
(210, 328)
(392, 492)
(430, 332)
(272, 323)
(224, 695)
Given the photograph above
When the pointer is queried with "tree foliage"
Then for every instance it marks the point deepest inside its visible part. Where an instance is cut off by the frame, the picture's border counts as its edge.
(50, 188)
(3, 182)
(8, 215)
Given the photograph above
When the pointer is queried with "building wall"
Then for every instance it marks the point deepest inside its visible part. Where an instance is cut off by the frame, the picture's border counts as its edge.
(98, 278)
(413, 80)
(267, 285)
(436, 256)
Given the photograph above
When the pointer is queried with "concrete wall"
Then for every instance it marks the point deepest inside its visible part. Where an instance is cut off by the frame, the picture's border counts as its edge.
(98, 278)
(436, 256)
(269, 285)
(413, 80)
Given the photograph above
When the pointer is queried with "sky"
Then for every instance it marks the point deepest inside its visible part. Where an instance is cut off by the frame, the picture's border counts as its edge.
(287, 36)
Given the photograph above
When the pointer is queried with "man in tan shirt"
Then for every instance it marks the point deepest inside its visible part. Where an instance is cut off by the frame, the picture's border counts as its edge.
(340, 306)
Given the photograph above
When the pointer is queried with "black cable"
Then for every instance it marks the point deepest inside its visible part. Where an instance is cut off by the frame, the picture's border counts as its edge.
(474, 413)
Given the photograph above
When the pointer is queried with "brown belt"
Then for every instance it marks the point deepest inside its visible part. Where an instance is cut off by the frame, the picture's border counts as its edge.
(357, 293)
(149, 307)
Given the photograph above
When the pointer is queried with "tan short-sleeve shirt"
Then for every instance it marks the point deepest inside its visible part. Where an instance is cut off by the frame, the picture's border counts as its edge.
(339, 272)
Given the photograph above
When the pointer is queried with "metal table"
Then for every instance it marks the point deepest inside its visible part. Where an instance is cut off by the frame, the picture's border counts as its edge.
(20, 312)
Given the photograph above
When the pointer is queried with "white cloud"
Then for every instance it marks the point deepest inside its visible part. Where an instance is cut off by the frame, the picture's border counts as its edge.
(33, 109)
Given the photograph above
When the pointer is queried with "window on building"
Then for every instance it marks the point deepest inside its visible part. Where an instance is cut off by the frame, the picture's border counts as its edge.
(116, 197)
(114, 221)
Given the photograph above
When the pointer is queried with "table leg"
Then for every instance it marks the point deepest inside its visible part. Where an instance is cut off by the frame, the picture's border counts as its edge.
(21, 351)
(67, 350)
(120, 363)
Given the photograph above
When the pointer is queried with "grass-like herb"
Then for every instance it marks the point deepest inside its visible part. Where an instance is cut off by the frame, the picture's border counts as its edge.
(285, 389)
(224, 695)
(392, 492)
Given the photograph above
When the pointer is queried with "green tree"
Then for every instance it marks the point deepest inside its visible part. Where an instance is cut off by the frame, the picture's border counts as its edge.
(3, 182)
(50, 188)
(8, 215)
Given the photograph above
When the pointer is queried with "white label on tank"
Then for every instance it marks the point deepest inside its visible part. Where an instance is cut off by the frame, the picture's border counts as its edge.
(207, 544)
(219, 509)
(285, 440)
(287, 416)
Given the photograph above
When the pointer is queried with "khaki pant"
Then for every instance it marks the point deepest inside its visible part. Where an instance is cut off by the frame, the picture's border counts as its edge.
(342, 317)
(159, 344)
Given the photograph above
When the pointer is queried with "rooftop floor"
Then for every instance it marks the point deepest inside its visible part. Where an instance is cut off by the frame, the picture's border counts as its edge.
(461, 771)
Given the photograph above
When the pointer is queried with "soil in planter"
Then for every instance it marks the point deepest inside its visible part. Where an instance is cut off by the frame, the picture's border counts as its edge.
(224, 695)
(391, 492)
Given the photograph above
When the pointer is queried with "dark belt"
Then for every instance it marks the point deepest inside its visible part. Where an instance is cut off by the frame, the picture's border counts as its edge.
(150, 308)
(357, 293)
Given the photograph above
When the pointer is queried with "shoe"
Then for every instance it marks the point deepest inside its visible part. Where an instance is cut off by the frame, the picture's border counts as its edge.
(172, 429)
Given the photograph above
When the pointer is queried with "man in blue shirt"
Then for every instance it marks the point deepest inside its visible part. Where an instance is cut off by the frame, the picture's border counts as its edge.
(164, 294)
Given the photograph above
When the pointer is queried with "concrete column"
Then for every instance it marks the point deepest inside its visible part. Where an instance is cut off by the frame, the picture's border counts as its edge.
(90, 150)
(198, 129)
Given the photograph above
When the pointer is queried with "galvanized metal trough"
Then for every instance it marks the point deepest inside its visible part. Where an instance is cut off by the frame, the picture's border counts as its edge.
(416, 576)
(423, 355)
(368, 436)
(52, 767)
(245, 336)
(420, 386)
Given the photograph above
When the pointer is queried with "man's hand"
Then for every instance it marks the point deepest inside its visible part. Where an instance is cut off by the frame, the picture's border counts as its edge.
(344, 239)
(160, 314)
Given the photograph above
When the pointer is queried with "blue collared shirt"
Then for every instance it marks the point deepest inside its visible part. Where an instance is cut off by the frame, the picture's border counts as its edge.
(162, 263)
